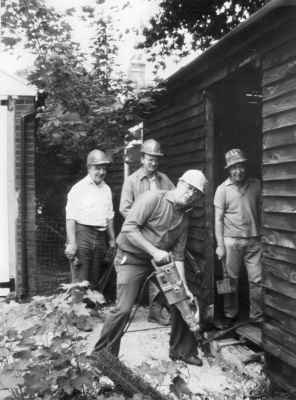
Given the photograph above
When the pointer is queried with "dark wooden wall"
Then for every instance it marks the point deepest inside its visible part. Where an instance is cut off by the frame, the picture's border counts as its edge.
(183, 123)
(279, 200)
(180, 126)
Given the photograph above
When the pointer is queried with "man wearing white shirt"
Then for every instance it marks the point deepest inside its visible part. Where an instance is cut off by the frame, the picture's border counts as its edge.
(89, 221)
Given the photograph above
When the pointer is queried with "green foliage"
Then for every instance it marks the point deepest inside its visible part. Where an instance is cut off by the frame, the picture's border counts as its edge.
(90, 103)
(42, 353)
(186, 25)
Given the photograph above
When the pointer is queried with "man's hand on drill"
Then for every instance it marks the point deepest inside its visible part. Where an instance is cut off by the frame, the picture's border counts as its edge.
(161, 257)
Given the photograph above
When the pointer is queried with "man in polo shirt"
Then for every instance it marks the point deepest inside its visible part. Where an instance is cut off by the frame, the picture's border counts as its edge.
(147, 178)
(89, 222)
(237, 213)
(155, 228)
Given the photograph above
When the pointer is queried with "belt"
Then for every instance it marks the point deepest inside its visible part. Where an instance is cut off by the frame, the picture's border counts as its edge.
(100, 228)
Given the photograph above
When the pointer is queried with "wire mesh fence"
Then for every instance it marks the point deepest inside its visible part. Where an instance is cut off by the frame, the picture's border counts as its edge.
(50, 245)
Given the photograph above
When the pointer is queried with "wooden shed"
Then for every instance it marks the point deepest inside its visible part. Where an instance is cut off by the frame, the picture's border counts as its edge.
(242, 93)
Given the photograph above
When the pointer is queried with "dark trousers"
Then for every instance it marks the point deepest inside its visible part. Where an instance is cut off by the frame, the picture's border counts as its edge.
(130, 278)
(92, 248)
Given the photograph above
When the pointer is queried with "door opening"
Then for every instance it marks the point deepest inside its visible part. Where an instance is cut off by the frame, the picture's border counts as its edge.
(237, 102)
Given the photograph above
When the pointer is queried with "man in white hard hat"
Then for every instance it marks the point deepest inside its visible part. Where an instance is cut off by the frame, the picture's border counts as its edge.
(147, 178)
(89, 222)
(237, 212)
(155, 227)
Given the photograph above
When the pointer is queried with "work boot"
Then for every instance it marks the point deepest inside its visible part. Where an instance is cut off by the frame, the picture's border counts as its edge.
(192, 360)
(158, 319)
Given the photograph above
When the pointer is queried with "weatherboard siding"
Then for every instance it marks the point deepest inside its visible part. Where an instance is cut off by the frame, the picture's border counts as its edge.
(279, 202)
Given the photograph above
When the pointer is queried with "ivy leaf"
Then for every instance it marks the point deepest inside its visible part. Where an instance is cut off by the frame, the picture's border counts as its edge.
(179, 387)
(24, 354)
(65, 384)
(4, 352)
(9, 379)
(80, 310)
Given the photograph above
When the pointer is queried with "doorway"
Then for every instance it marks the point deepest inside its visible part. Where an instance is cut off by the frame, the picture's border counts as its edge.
(237, 107)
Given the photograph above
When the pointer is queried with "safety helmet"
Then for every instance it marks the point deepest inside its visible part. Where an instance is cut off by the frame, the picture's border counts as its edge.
(151, 147)
(97, 157)
(234, 156)
(195, 178)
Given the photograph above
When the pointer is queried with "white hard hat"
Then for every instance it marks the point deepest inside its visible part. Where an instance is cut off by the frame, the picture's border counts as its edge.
(195, 178)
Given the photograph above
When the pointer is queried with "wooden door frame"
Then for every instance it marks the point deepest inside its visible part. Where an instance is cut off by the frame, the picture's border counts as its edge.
(209, 207)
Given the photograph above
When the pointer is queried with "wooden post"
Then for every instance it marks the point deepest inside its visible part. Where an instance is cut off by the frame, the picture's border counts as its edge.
(209, 172)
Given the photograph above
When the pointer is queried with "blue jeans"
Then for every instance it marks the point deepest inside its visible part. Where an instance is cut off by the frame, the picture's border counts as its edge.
(249, 251)
(92, 248)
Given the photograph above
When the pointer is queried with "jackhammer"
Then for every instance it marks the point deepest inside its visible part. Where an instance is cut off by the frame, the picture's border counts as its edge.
(173, 288)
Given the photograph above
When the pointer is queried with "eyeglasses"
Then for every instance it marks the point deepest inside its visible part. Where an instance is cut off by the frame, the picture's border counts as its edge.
(194, 190)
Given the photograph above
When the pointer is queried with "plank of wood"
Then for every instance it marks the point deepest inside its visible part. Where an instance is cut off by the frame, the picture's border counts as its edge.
(165, 131)
(279, 172)
(283, 71)
(276, 121)
(279, 188)
(276, 284)
(278, 105)
(278, 238)
(198, 156)
(281, 303)
(277, 350)
(279, 335)
(284, 221)
(176, 105)
(280, 137)
(282, 320)
(280, 381)
(279, 204)
(279, 88)
(251, 332)
(279, 253)
(279, 154)
(187, 146)
(285, 271)
(189, 132)
(280, 54)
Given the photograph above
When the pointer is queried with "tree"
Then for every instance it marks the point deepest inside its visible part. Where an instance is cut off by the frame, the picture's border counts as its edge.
(89, 105)
(185, 25)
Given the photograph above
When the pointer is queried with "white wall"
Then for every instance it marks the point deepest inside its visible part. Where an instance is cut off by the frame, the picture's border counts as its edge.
(4, 241)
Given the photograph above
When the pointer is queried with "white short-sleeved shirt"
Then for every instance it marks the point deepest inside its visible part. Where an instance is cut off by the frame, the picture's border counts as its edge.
(241, 207)
(90, 204)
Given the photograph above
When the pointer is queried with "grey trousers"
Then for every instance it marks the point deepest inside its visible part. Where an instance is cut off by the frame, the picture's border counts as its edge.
(130, 278)
(92, 248)
(249, 251)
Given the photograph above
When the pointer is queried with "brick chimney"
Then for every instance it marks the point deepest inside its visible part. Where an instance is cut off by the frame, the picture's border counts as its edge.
(136, 70)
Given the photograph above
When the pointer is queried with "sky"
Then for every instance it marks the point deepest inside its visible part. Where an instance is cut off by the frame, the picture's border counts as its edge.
(131, 17)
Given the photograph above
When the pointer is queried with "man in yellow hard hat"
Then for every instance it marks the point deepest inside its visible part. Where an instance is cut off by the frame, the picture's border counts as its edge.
(237, 213)
(147, 178)
(155, 227)
(89, 222)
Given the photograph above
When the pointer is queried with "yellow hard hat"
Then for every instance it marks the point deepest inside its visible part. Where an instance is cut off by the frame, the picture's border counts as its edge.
(151, 147)
(97, 157)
